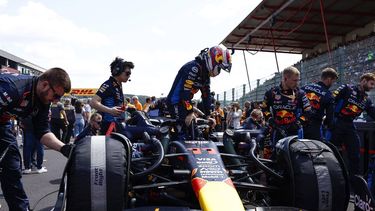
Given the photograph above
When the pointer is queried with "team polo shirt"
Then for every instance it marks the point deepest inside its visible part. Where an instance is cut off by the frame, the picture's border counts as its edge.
(111, 94)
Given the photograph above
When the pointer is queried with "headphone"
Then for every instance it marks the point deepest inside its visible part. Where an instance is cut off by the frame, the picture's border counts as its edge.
(117, 66)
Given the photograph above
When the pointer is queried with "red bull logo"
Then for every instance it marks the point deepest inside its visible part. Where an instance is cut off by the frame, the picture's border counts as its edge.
(219, 58)
(188, 106)
(351, 110)
(314, 100)
(285, 117)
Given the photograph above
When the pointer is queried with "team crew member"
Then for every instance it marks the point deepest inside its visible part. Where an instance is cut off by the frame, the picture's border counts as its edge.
(59, 120)
(109, 99)
(322, 104)
(22, 96)
(218, 114)
(192, 77)
(256, 122)
(351, 101)
(289, 105)
(92, 129)
(136, 103)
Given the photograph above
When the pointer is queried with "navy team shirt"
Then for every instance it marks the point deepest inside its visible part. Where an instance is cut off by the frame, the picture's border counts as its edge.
(287, 106)
(321, 101)
(111, 94)
(351, 102)
(18, 99)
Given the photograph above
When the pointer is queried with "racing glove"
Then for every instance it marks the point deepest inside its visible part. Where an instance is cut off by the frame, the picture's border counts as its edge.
(67, 149)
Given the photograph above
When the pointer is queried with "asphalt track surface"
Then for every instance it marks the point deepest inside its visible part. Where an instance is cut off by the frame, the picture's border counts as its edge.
(39, 185)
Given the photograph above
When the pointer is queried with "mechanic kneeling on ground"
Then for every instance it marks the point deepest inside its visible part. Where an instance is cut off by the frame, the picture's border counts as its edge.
(22, 96)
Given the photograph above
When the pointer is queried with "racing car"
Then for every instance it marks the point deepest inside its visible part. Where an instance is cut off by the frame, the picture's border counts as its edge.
(155, 171)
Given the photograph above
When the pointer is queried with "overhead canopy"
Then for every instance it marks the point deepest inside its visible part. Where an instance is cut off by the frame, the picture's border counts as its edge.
(297, 25)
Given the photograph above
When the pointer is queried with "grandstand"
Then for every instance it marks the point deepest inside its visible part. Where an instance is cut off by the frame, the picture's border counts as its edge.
(338, 34)
(350, 61)
(14, 64)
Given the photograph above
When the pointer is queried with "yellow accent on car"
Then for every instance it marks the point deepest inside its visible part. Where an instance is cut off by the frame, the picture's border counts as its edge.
(217, 196)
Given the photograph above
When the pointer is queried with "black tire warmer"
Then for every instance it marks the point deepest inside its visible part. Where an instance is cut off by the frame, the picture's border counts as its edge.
(97, 175)
(318, 177)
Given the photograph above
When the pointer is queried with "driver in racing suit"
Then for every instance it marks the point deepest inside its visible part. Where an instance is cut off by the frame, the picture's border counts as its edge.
(192, 77)
(289, 106)
(351, 101)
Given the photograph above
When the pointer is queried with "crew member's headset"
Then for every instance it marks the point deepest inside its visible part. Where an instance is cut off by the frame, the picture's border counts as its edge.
(118, 66)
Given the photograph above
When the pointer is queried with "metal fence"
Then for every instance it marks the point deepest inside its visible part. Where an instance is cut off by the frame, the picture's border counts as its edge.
(350, 61)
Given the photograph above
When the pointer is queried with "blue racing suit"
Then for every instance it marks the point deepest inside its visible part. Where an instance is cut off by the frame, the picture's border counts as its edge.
(111, 96)
(289, 107)
(18, 98)
(191, 78)
(350, 103)
(322, 104)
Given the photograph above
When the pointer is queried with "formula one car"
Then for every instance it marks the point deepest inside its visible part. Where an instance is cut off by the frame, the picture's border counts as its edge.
(206, 172)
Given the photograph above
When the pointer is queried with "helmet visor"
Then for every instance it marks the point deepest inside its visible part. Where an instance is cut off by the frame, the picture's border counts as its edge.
(226, 66)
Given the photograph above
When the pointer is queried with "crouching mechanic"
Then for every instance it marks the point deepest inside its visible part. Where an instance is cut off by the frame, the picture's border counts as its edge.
(92, 129)
(22, 96)
(109, 99)
(192, 77)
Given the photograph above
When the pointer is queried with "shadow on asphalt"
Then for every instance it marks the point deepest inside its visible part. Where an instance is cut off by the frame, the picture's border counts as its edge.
(55, 181)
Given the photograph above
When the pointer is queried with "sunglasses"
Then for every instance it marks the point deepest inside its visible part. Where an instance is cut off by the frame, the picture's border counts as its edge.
(128, 73)
(98, 122)
(55, 95)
